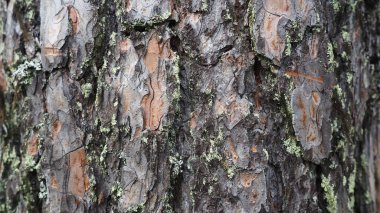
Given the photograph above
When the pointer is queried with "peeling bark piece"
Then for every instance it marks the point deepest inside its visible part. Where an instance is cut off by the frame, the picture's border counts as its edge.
(254, 194)
(55, 97)
(129, 84)
(58, 18)
(307, 118)
(137, 179)
(211, 41)
(311, 121)
(228, 102)
(235, 108)
(270, 18)
(148, 11)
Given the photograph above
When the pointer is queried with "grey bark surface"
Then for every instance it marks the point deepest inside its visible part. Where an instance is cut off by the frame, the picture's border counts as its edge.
(189, 106)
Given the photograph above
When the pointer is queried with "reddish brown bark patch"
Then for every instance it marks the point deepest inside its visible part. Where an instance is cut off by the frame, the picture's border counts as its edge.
(56, 128)
(54, 182)
(316, 97)
(246, 179)
(278, 7)
(154, 104)
(124, 46)
(32, 148)
(78, 181)
(51, 51)
(301, 107)
(303, 75)
(235, 156)
(74, 19)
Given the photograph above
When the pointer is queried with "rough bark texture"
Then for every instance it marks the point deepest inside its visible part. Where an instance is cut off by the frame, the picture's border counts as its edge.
(190, 106)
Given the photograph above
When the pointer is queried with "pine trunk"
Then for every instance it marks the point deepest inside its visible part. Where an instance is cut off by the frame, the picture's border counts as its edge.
(189, 106)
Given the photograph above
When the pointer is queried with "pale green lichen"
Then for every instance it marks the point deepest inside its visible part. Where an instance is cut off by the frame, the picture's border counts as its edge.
(117, 190)
(344, 56)
(25, 72)
(330, 58)
(149, 23)
(251, 22)
(115, 69)
(349, 78)
(79, 106)
(113, 121)
(29, 163)
(353, 4)
(137, 208)
(336, 5)
(346, 36)
(176, 163)
(213, 153)
(340, 95)
(204, 5)
(112, 41)
(166, 202)
(210, 189)
(231, 171)
(351, 188)
(91, 193)
(329, 194)
(364, 161)
(288, 49)
(105, 130)
(43, 192)
(335, 128)
(292, 148)
(177, 89)
(368, 198)
(266, 154)
(103, 153)
(333, 165)
(86, 90)
(227, 15)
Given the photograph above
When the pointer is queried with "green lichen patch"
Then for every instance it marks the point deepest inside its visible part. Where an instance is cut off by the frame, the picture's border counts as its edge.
(136, 208)
(176, 163)
(86, 89)
(336, 5)
(331, 58)
(351, 188)
(346, 36)
(329, 194)
(204, 5)
(24, 73)
(292, 147)
(213, 153)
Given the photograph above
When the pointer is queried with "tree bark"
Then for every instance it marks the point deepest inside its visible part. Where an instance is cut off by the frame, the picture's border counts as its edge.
(189, 106)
